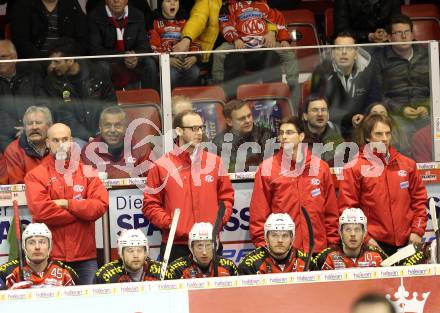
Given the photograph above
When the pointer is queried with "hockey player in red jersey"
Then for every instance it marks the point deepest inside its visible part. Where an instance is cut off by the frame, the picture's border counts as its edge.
(39, 270)
(278, 256)
(352, 252)
(166, 32)
(133, 263)
(199, 263)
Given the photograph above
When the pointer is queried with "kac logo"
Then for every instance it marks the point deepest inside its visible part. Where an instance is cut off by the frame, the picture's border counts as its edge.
(315, 181)
(402, 173)
(78, 188)
(209, 178)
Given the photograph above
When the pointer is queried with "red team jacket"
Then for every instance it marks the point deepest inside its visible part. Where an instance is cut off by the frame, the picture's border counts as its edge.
(394, 202)
(335, 259)
(166, 33)
(278, 193)
(115, 167)
(73, 229)
(247, 21)
(197, 200)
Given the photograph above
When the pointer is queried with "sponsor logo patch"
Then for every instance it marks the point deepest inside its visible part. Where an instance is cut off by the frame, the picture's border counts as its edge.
(404, 185)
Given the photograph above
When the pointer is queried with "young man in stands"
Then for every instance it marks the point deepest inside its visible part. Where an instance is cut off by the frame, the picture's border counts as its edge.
(291, 179)
(80, 90)
(278, 254)
(133, 264)
(346, 81)
(387, 186)
(111, 152)
(199, 263)
(59, 193)
(117, 28)
(319, 130)
(188, 178)
(27, 151)
(20, 87)
(239, 133)
(39, 271)
(403, 73)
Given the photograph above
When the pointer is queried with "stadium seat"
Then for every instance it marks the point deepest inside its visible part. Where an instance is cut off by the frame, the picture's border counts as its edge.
(426, 20)
(316, 6)
(328, 24)
(208, 101)
(269, 102)
(301, 24)
(141, 103)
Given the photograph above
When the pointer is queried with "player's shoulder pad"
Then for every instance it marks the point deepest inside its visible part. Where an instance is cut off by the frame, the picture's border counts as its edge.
(321, 256)
(228, 264)
(177, 266)
(254, 256)
(377, 250)
(8, 267)
(109, 267)
(68, 268)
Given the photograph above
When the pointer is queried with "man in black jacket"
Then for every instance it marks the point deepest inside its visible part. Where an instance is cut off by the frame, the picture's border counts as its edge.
(36, 24)
(118, 28)
(80, 90)
(20, 87)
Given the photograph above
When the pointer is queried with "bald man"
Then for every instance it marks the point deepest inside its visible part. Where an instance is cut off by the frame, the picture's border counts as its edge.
(60, 195)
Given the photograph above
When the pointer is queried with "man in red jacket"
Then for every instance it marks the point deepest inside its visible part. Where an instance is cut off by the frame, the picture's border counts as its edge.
(109, 152)
(60, 194)
(27, 151)
(188, 178)
(387, 186)
(292, 179)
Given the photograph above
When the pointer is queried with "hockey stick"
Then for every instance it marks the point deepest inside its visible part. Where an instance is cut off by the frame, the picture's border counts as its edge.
(215, 232)
(311, 239)
(169, 245)
(433, 212)
(399, 255)
(18, 236)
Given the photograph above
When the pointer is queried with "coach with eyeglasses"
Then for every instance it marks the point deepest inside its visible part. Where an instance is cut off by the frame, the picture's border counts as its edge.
(188, 178)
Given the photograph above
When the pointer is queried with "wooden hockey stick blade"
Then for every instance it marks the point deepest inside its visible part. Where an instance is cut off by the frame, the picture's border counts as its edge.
(399, 255)
(433, 212)
(311, 238)
(169, 245)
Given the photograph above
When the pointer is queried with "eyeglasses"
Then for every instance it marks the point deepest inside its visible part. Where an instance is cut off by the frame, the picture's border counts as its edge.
(118, 126)
(287, 132)
(200, 246)
(400, 33)
(195, 128)
(344, 49)
(318, 110)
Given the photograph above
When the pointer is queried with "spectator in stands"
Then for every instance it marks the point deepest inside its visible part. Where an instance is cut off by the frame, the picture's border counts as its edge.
(176, 181)
(166, 32)
(116, 28)
(387, 186)
(199, 263)
(80, 90)
(240, 134)
(346, 81)
(370, 303)
(403, 73)
(133, 264)
(39, 270)
(69, 203)
(110, 152)
(20, 88)
(37, 24)
(180, 104)
(290, 179)
(422, 143)
(318, 129)
(27, 151)
(366, 20)
(249, 25)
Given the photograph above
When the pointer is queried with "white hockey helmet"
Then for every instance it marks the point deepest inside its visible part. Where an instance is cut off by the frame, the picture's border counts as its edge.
(200, 231)
(132, 238)
(36, 229)
(352, 216)
(279, 221)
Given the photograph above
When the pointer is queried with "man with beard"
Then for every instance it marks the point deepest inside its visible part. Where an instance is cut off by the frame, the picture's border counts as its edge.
(60, 194)
(133, 264)
(108, 153)
(278, 255)
(27, 151)
(199, 263)
(39, 269)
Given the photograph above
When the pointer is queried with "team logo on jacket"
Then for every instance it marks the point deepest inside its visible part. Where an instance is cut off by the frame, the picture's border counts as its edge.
(131, 159)
(209, 178)
(78, 188)
(402, 173)
(315, 181)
